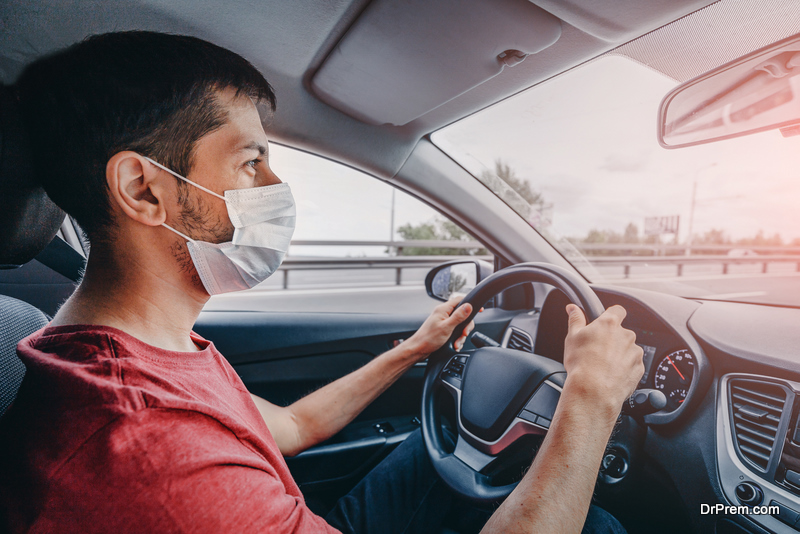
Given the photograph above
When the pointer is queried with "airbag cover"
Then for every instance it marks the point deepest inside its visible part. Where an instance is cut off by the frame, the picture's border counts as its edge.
(497, 384)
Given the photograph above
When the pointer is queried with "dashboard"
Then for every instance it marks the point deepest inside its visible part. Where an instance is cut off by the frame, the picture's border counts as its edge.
(730, 433)
(670, 364)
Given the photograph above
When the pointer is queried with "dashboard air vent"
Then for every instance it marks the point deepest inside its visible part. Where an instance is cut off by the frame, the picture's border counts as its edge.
(520, 340)
(757, 408)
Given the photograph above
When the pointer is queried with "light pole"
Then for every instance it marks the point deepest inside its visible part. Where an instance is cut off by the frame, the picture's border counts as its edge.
(391, 224)
(690, 238)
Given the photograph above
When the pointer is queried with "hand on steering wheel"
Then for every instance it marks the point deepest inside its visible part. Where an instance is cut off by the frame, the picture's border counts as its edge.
(500, 394)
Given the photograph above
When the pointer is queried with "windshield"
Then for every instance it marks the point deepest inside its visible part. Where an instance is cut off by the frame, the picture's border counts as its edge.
(578, 157)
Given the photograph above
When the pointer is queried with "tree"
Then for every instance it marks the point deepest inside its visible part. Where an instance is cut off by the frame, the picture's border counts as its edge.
(760, 240)
(712, 237)
(523, 187)
(518, 193)
(631, 234)
(437, 230)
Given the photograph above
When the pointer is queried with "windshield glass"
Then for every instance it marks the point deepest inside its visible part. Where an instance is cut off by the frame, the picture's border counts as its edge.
(578, 157)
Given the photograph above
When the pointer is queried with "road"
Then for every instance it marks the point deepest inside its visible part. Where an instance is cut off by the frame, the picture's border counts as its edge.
(373, 290)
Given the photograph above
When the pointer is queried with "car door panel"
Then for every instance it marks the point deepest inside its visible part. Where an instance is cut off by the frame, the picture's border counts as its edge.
(284, 356)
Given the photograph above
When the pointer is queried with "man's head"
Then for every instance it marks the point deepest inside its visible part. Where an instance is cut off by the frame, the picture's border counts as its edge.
(155, 94)
(97, 109)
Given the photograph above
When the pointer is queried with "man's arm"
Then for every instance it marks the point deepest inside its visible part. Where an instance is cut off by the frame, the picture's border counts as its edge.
(603, 367)
(321, 414)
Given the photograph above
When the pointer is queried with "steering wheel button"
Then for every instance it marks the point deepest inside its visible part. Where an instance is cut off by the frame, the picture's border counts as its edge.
(528, 416)
(544, 401)
(543, 421)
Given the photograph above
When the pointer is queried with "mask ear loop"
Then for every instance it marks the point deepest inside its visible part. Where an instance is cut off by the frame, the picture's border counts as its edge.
(176, 175)
(186, 237)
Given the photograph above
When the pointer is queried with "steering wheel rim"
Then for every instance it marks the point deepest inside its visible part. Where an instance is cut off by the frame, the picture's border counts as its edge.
(461, 469)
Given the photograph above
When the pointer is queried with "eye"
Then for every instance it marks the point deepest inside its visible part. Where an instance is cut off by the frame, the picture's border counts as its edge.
(253, 163)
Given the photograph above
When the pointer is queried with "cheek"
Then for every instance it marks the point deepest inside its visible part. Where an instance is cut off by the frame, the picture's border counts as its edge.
(223, 229)
(206, 220)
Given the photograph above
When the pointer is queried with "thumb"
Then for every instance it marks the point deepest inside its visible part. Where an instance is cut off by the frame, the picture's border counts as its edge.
(576, 318)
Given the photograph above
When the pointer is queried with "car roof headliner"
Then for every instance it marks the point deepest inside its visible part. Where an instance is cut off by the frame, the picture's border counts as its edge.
(288, 41)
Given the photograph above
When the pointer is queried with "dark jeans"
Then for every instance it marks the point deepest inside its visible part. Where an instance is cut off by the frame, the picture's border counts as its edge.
(403, 494)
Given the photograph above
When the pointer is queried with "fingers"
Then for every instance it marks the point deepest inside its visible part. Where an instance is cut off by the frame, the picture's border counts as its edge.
(449, 305)
(616, 313)
(577, 319)
(459, 343)
(460, 315)
(468, 329)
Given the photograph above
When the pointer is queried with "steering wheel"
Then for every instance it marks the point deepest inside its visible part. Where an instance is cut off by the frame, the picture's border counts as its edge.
(500, 394)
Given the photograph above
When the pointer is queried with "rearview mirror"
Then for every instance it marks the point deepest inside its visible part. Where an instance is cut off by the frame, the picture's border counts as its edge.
(755, 93)
(456, 277)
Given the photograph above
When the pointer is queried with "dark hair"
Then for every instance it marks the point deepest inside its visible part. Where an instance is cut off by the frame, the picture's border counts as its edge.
(149, 92)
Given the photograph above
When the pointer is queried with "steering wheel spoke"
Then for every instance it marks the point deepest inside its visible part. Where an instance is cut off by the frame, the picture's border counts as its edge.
(475, 459)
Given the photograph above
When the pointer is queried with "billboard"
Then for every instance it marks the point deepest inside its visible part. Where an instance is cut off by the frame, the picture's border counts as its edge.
(662, 225)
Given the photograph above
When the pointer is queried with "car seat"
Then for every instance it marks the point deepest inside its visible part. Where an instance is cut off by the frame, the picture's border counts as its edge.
(29, 221)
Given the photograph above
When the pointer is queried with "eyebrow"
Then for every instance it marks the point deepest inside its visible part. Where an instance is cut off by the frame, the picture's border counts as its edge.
(254, 145)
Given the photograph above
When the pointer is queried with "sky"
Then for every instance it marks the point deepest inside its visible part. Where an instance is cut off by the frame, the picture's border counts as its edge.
(587, 141)
(339, 203)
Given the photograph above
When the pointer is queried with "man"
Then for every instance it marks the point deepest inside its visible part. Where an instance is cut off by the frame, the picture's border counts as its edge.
(127, 420)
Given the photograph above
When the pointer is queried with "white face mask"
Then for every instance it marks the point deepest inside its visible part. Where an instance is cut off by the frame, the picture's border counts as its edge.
(263, 219)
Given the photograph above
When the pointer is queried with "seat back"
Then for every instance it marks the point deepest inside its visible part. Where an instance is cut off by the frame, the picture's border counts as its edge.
(18, 320)
(28, 222)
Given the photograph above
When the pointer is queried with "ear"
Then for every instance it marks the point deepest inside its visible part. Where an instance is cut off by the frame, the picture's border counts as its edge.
(137, 187)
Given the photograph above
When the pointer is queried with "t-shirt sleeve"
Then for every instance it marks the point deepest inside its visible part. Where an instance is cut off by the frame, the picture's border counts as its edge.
(173, 471)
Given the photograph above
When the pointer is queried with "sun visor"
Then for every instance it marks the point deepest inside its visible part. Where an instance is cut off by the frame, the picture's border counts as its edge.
(400, 60)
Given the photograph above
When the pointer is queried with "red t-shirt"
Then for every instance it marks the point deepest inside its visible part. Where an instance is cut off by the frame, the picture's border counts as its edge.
(109, 434)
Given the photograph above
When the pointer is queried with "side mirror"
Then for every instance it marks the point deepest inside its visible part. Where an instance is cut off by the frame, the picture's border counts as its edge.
(456, 277)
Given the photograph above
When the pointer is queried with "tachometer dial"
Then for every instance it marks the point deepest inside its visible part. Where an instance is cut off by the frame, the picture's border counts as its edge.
(674, 376)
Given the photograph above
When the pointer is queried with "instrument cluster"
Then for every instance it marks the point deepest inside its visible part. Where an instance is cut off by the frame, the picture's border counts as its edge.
(667, 368)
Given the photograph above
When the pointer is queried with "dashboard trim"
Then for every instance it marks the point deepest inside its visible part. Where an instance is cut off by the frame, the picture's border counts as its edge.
(731, 470)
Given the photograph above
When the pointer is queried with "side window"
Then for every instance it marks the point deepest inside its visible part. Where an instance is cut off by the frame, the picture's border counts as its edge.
(360, 245)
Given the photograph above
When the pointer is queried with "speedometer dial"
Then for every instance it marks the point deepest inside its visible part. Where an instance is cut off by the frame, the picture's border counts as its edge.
(674, 376)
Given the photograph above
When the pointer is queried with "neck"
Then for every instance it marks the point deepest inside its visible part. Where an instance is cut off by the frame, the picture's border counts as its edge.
(124, 292)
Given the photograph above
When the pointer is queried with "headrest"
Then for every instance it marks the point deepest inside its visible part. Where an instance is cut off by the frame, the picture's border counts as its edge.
(28, 218)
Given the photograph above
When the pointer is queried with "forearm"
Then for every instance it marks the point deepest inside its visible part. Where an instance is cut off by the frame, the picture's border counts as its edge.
(555, 494)
(324, 412)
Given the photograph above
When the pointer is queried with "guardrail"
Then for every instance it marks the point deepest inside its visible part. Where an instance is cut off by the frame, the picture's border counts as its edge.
(679, 261)
(398, 263)
(657, 254)
(680, 255)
